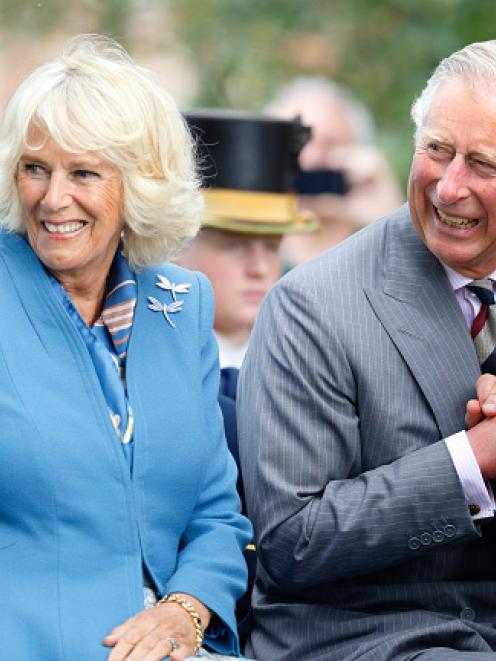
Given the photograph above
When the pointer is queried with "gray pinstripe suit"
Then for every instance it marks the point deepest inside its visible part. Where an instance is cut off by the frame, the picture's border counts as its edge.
(359, 364)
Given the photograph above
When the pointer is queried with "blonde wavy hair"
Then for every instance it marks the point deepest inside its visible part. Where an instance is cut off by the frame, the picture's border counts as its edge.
(93, 97)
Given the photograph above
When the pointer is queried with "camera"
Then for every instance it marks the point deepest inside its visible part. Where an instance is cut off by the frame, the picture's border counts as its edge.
(317, 182)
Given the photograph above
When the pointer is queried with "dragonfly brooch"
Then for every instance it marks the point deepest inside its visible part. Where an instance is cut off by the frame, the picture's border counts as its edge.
(170, 308)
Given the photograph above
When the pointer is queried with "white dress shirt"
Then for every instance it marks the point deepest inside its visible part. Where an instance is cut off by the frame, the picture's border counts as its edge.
(230, 355)
(476, 490)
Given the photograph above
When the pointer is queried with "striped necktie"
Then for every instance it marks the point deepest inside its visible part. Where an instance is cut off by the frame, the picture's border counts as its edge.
(483, 329)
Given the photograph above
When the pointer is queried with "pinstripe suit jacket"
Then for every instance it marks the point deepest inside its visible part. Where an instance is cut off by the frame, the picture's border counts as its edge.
(359, 365)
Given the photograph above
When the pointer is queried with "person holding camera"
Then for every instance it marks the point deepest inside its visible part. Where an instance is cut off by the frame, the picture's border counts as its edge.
(346, 180)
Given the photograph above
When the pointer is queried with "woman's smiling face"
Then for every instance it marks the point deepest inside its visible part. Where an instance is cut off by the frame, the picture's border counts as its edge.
(72, 208)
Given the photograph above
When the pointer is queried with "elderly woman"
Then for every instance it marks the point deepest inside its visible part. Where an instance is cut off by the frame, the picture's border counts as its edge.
(115, 479)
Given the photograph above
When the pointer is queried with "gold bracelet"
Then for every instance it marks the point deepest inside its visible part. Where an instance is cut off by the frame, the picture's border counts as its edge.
(188, 607)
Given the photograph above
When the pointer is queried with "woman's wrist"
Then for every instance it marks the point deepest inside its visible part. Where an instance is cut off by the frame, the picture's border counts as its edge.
(198, 613)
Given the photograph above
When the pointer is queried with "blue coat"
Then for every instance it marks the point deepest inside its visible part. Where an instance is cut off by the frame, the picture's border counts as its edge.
(74, 525)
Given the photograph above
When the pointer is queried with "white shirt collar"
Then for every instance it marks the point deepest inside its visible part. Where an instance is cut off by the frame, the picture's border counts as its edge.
(457, 280)
(230, 355)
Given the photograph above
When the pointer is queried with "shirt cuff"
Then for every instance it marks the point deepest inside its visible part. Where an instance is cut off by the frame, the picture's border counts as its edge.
(478, 493)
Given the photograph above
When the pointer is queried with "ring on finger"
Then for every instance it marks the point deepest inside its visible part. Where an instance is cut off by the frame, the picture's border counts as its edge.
(173, 643)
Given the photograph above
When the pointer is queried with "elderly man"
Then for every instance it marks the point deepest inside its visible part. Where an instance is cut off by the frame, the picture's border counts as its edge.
(372, 504)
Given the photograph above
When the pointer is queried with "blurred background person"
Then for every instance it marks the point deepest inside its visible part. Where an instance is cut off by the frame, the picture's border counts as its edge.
(345, 179)
(248, 163)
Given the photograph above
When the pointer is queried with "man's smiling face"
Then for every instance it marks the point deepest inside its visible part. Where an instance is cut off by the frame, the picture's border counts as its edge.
(452, 186)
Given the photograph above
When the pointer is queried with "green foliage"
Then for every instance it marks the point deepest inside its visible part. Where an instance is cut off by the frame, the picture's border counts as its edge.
(37, 17)
(383, 51)
(113, 18)
(31, 16)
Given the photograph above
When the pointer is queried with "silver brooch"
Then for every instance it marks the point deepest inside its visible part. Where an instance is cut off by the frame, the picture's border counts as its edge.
(171, 308)
(165, 283)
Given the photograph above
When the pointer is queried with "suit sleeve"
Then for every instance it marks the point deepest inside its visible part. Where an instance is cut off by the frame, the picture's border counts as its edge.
(318, 517)
(210, 562)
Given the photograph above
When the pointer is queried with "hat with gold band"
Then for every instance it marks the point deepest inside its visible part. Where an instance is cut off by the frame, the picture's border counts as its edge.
(247, 163)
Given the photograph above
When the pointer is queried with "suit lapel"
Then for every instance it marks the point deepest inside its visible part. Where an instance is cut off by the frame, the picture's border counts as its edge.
(421, 315)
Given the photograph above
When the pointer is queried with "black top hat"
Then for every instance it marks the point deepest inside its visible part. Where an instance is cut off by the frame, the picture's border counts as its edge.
(247, 163)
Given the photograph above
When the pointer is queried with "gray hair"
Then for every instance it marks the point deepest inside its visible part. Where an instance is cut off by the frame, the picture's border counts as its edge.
(476, 61)
(93, 97)
(304, 87)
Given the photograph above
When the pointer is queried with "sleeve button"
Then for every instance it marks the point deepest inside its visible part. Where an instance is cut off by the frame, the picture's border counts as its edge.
(414, 543)
(450, 530)
(467, 614)
(425, 539)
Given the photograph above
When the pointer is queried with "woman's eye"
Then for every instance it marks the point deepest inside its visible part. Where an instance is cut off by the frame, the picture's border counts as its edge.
(33, 168)
(85, 174)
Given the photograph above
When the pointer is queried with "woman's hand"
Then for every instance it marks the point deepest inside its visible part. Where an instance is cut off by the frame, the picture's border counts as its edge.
(154, 634)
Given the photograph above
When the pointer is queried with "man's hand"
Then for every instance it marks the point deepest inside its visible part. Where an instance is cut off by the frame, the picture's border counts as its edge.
(485, 404)
(481, 418)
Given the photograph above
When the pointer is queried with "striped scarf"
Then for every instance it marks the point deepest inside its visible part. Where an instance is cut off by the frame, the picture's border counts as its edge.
(113, 329)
